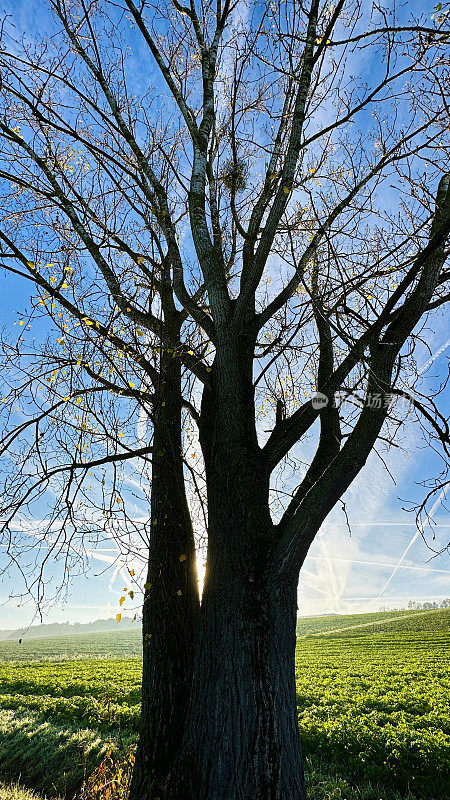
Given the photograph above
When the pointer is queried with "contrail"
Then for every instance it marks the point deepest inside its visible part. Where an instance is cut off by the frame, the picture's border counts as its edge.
(414, 538)
(433, 358)
(419, 530)
(379, 564)
(386, 524)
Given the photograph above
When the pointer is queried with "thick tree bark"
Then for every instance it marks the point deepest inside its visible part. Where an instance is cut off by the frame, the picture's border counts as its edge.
(242, 740)
(241, 737)
(171, 604)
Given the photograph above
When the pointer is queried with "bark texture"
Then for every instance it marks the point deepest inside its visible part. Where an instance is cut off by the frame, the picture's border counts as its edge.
(241, 740)
(171, 604)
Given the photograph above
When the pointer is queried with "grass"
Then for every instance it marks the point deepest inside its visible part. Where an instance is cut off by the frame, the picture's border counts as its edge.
(50, 758)
(14, 791)
(105, 644)
(325, 783)
(373, 698)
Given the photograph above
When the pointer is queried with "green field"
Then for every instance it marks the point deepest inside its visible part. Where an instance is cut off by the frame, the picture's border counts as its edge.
(115, 644)
(127, 643)
(373, 698)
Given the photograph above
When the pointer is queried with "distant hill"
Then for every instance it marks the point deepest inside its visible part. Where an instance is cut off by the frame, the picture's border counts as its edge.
(126, 642)
(377, 622)
(69, 628)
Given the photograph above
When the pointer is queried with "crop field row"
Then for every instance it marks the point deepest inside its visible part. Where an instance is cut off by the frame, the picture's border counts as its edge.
(381, 704)
(107, 644)
(104, 694)
(127, 643)
(378, 622)
(374, 707)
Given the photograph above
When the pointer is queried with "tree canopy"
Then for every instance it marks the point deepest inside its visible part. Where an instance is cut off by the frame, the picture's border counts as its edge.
(242, 241)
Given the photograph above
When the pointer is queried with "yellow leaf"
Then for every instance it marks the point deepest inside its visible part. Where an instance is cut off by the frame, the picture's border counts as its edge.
(122, 600)
(64, 286)
(21, 322)
(131, 571)
(179, 593)
(118, 617)
(183, 557)
(147, 586)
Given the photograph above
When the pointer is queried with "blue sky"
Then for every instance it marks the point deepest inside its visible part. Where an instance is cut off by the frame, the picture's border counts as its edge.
(382, 562)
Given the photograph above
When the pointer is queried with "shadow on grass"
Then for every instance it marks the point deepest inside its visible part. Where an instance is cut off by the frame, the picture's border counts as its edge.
(344, 758)
(48, 758)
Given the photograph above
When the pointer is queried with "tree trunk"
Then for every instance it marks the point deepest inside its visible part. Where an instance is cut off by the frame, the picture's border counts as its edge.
(170, 610)
(241, 739)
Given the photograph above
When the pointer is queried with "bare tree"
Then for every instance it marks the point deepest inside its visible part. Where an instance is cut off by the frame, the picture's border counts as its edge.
(86, 220)
(277, 224)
